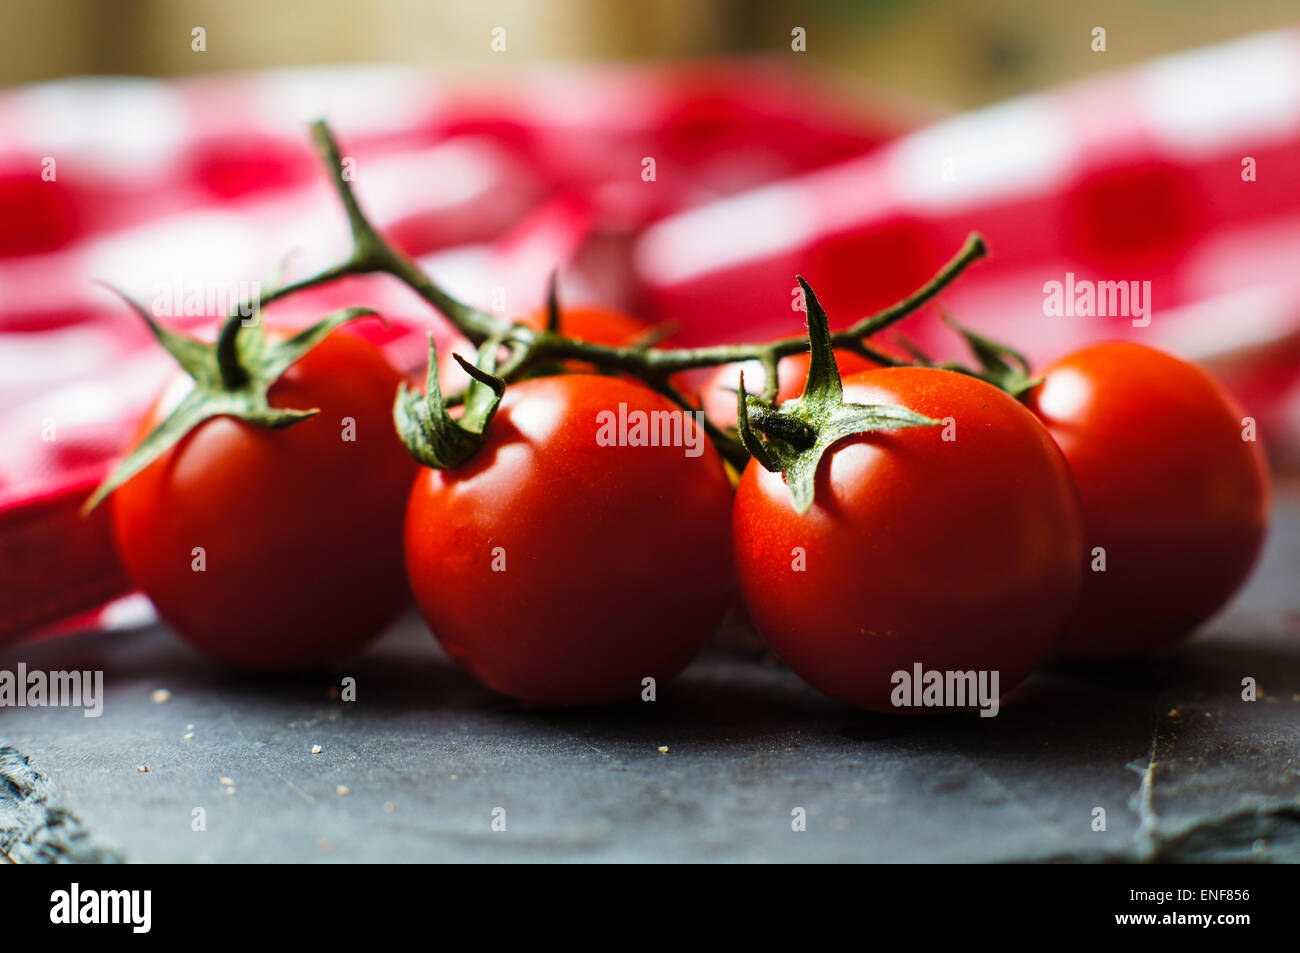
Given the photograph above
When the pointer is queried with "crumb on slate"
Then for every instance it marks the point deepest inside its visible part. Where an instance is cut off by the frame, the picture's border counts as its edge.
(663, 749)
(342, 789)
(316, 749)
(161, 696)
(142, 768)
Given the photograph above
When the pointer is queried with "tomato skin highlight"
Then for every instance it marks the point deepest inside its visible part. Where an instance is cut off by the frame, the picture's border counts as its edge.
(1170, 490)
(960, 555)
(617, 564)
(300, 529)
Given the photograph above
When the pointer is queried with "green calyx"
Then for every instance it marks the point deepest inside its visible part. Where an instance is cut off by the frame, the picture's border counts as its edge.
(424, 423)
(792, 437)
(231, 379)
(999, 365)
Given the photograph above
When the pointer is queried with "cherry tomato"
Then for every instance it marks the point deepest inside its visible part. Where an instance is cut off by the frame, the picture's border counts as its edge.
(560, 570)
(957, 547)
(1175, 498)
(279, 548)
(718, 394)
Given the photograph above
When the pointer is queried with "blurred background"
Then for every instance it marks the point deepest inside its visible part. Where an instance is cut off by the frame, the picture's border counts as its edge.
(679, 160)
(943, 52)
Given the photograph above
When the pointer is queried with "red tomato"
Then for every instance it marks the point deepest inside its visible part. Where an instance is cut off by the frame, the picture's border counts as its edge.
(959, 554)
(1171, 491)
(560, 571)
(300, 529)
(718, 395)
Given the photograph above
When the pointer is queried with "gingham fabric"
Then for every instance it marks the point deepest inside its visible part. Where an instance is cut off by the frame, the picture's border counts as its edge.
(186, 194)
(1184, 173)
(178, 192)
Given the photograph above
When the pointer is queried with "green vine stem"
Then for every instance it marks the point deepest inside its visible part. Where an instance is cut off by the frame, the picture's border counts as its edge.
(233, 376)
(527, 347)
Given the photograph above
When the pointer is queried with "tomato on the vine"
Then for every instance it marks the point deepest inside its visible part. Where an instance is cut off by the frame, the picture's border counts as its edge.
(956, 547)
(1174, 488)
(277, 548)
(562, 564)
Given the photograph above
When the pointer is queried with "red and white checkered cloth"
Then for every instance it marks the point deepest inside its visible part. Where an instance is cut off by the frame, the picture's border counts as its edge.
(1137, 176)
(189, 191)
(165, 188)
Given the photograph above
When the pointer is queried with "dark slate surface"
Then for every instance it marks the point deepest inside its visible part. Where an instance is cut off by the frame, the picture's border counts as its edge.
(1184, 768)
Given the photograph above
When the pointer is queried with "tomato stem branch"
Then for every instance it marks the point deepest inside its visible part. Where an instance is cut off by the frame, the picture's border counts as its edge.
(233, 373)
(661, 361)
(528, 347)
